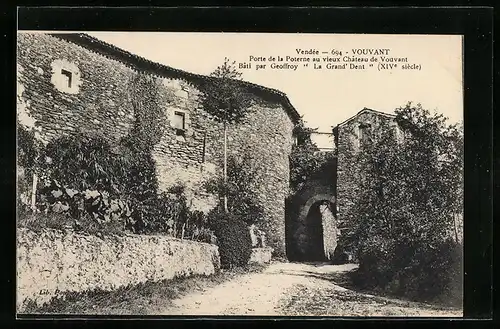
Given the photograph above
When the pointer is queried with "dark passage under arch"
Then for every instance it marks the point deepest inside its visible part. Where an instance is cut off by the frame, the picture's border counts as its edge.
(313, 249)
(311, 230)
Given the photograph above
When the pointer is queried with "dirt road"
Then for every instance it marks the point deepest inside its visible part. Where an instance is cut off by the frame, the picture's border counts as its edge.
(288, 289)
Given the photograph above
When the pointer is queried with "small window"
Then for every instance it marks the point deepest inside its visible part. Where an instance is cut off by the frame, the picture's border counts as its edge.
(179, 123)
(68, 76)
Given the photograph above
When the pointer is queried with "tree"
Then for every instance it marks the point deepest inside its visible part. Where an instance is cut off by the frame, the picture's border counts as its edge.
(409, 192)
(239, 187)
(225, 99)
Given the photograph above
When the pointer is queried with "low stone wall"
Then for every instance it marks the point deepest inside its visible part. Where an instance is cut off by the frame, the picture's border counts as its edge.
(261, 255)
(51, 262)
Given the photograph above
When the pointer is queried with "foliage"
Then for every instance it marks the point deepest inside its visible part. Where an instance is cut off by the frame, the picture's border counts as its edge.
(147, 102)
(27, 157)
(83, 162)
(239, 188)
(77, 204)
(306, 162)
(223, 96)
(198, 229)
(303, 133)
(141, 178)
(408, 196)
(115, 189)
(233, 238)
(27, 148)
(162, 213)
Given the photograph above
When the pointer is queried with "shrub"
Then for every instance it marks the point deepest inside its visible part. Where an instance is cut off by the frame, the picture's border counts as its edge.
(84, 162)
(93, 186)
(432, 273)
(417, 271)
(233, 239)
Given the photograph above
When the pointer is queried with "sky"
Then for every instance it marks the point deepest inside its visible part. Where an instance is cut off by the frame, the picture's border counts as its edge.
(324, 97)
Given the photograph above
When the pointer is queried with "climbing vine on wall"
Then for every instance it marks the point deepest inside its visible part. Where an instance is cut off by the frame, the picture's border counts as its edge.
(147, 102)
(150, 121)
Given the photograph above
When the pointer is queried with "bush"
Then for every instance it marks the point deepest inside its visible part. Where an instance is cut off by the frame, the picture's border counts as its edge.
(94, 186)
(84, 180)
(233, 239)
(424, 272)
(84, 162)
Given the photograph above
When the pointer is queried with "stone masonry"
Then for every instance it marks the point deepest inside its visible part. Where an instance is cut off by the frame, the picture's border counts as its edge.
(53, 262)
(71, 84)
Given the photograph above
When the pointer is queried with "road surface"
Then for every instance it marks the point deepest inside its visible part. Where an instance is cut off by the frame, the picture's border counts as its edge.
(295, 289)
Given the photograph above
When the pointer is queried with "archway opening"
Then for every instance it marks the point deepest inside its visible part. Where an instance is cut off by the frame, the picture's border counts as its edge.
(314, 249)
(312, 230)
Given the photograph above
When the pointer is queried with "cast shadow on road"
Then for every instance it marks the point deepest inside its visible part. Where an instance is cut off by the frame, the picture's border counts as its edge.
(340, 275)
(344, 276)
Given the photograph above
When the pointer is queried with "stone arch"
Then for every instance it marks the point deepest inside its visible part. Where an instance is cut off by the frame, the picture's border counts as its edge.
(311, 224)
(304, 210)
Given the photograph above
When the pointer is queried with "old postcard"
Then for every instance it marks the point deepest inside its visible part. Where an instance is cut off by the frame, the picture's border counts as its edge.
(211, 174)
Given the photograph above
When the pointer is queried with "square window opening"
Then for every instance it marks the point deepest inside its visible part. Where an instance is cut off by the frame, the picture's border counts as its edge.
(68, 76)
(179, 123)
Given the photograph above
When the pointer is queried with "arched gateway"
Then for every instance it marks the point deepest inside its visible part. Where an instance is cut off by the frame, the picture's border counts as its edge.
(311, 230)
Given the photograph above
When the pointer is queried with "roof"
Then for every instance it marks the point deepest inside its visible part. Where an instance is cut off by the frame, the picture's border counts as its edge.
(143, 64)
(364, 110)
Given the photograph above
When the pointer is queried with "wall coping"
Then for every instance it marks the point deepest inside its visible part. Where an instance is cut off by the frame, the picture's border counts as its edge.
(109, 235)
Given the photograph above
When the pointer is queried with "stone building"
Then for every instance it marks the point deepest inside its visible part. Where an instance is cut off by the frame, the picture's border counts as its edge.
(73, 83)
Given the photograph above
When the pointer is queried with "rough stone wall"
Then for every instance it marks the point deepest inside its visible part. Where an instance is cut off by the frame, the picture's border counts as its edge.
(348, 172)
(51, 262)
(99, 104)
(98, 101)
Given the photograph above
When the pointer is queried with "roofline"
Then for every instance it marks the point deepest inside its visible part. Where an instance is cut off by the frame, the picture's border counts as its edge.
(154, 68)
(366, 110)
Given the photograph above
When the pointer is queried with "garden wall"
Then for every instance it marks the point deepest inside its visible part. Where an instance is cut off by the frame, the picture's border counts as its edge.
(53, 262)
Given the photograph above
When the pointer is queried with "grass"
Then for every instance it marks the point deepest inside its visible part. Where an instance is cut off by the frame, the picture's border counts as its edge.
(141, 299)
